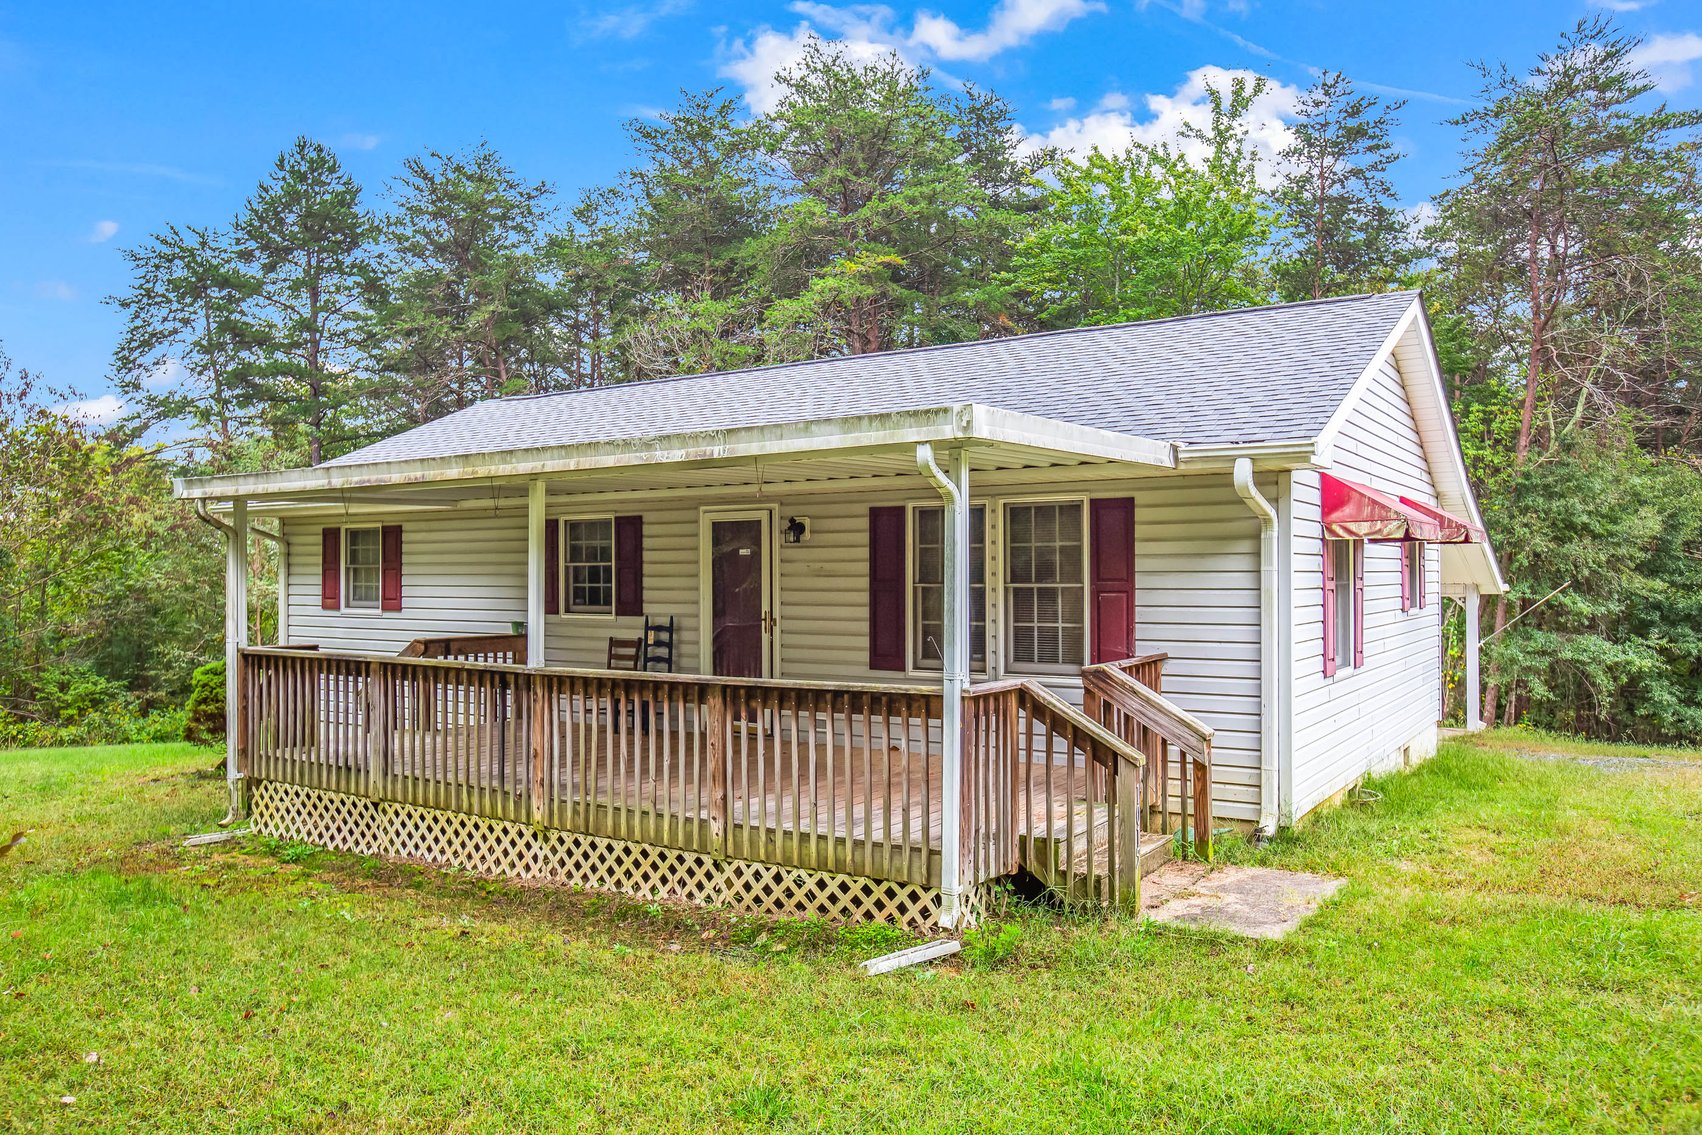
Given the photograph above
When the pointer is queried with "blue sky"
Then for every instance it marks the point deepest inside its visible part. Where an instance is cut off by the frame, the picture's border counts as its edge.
(118, 118)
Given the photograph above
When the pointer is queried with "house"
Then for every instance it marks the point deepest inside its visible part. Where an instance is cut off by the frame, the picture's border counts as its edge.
(907, 623)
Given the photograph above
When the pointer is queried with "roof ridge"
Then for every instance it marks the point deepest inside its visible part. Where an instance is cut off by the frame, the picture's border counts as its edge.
(1059, 332)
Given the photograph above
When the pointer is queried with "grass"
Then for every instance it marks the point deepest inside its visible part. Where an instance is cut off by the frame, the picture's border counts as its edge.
(1519, 949)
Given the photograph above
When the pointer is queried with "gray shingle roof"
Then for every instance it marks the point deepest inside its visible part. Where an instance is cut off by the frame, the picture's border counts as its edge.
(1253, 375)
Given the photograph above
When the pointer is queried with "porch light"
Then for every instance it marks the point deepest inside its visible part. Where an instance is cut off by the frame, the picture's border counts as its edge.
(797, 530)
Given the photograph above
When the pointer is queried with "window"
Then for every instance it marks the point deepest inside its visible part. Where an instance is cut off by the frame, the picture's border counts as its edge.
(928, 593)
(1044, 586)
(1412, 563)
(363, 558)
(590, 566)
(1342, 553)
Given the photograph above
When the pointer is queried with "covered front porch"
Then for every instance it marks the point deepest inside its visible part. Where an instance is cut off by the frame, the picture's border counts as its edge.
(899, 791)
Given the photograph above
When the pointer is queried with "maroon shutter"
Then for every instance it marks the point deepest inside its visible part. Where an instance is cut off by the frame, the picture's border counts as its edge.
(886, 588)
(331, 568)
(552, 567)
(390, 568)
(1329, 608)
(629, 565)
(1112, 532)
(1420, 576)
(1406, 576)
(1358, 604)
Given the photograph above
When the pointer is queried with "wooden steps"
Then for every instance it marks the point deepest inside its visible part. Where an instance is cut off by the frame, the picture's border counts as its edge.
(1062, 864)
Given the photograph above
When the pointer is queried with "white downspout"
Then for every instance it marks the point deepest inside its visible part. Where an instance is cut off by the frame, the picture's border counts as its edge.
(1269, 654)
(954, 491)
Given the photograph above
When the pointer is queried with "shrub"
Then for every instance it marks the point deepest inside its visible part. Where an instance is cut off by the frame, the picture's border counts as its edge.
(204, 715)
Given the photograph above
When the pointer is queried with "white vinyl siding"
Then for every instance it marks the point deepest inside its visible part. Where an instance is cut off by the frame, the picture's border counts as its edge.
(462, 573)
(1196, 565)
(1368, 719)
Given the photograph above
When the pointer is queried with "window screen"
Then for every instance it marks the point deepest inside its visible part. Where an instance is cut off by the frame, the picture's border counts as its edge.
(362, 561)
(1344, 552)
(928, 595)
(1044, 588)
(590, 566)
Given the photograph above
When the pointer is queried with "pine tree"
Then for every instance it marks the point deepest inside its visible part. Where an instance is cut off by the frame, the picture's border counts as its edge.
(185, 334)
(696, 202)
(305, 237)
(469, 310)
(897, 205)
(1343, 231)
(1571, 247)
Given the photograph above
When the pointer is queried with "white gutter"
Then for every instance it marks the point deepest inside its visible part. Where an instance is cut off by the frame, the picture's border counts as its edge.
(967, 423)
(1269, 652)
(954, 491)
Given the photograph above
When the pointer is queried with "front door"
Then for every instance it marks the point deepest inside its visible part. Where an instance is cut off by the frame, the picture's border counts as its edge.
(739, 589)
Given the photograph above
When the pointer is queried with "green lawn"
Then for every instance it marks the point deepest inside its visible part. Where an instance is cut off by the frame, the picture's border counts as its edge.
(1519, 949)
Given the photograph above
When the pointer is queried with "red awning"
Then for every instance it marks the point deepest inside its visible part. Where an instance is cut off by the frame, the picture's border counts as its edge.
(1358, 512)
(1454, 529)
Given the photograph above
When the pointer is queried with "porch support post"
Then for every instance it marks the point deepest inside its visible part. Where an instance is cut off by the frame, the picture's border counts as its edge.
(236, 637)
(1474, 687)
(535, 500)
(953, 487)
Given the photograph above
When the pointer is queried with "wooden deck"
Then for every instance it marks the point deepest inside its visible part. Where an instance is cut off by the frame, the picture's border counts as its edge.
(840, 778)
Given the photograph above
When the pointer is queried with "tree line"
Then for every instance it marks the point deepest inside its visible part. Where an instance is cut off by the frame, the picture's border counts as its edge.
(872, 209)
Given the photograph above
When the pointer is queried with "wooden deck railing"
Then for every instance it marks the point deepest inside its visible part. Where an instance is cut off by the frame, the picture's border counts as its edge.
(835, 777)
(1178, 746)
(828, 776)
(1048, 789)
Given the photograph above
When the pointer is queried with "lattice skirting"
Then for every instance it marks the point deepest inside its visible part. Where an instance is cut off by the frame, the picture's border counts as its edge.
(520, 851)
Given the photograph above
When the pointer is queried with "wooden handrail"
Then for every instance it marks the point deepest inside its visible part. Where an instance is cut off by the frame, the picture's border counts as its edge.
(1178, 725)
(1145, 718)
(630, 675)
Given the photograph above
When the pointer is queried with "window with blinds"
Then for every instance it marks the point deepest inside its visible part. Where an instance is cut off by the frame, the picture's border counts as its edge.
(1045, 586)
(927, 588)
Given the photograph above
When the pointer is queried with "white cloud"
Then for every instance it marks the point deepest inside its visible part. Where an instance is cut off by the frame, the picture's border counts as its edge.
(103, 232)
(167, 374)
(102, 411)
(1011, 23)
(1113, 100)
(1061, 104)
(358, 141)
(868, 31)
(1625, 5)
(753, 63)
(1113, 128)
(1668, 59)
(56, 290)
(629, 22)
